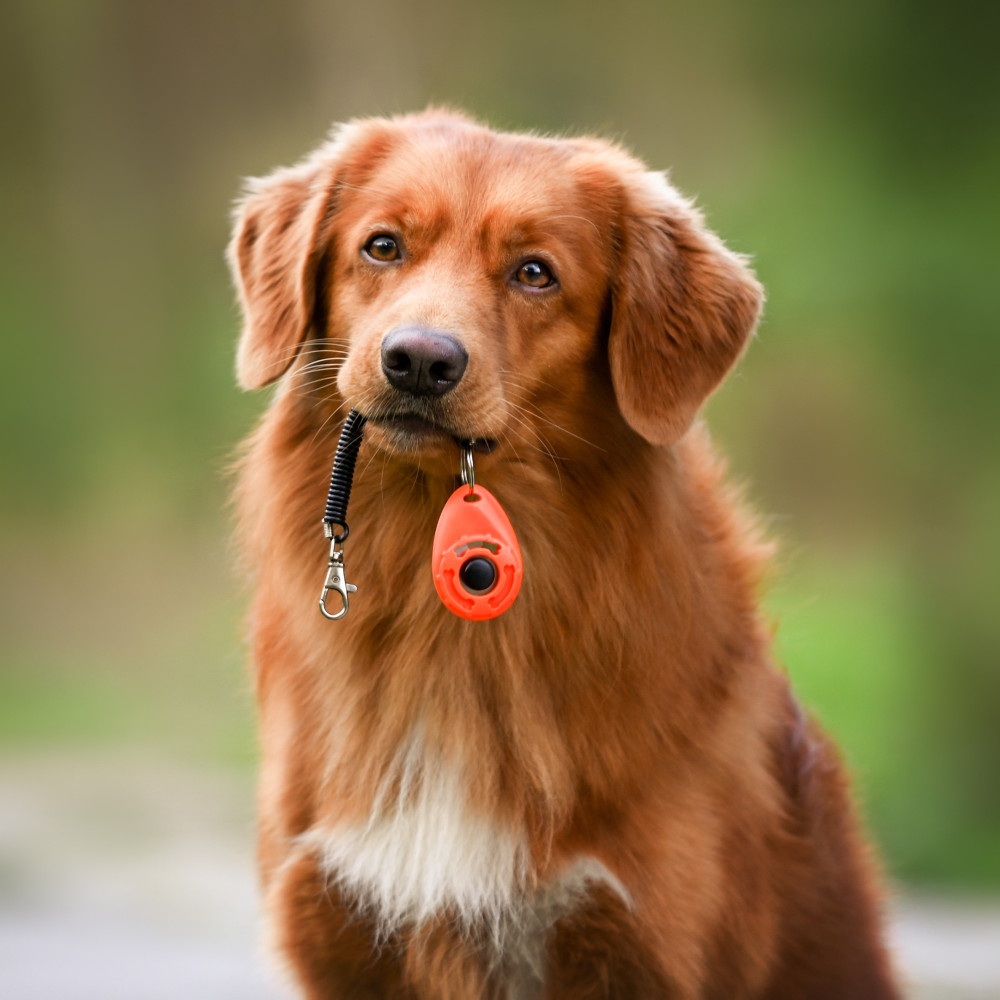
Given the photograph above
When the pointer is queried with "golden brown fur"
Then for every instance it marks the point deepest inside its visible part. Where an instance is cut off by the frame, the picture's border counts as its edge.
(624, 714)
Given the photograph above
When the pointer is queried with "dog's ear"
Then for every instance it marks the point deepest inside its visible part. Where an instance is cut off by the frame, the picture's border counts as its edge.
(683, 308)
(274, 255)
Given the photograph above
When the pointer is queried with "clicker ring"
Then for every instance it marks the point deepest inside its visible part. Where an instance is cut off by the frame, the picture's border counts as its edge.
(468, 470)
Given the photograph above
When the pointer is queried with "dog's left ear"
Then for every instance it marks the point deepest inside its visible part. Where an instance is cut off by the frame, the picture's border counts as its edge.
(275, 255)
(683, 308)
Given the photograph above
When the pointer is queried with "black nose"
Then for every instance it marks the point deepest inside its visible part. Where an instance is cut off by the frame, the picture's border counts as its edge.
(423, 362)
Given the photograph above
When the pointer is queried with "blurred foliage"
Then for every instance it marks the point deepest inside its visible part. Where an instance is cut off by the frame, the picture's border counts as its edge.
(853, 148)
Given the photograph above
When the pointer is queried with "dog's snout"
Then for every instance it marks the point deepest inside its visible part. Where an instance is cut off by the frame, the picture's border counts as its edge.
(423, 362)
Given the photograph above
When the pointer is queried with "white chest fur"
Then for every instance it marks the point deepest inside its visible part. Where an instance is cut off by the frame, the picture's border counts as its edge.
(423, 853)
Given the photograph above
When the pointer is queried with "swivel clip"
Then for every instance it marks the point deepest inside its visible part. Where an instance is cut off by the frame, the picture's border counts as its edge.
(335, 581)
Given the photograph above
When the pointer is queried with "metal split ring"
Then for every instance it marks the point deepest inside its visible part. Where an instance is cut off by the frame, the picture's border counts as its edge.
(468, 471)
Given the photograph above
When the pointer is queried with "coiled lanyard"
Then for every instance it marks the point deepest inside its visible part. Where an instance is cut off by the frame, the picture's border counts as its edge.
(337, 498)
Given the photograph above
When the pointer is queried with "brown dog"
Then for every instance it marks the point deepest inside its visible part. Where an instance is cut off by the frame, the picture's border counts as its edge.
(608, 791)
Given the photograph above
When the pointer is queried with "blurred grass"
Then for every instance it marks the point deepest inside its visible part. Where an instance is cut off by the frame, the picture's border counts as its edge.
(148, 654)
(853, 149)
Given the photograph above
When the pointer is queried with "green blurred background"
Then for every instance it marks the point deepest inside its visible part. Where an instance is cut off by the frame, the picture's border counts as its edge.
(852, 148)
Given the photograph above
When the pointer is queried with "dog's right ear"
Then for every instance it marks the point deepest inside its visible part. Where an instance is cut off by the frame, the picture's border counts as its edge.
(274, 255)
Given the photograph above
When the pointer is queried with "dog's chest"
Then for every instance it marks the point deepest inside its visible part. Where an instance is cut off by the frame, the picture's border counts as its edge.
(423, 853)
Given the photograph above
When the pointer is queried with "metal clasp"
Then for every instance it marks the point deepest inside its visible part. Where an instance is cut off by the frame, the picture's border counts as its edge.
(335, 581)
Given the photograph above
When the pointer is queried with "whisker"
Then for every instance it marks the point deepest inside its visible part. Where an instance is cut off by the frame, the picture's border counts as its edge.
(329, 428)
(532, 410)
(542, 445)
(579, 218)
(323, 346)
(326, 423)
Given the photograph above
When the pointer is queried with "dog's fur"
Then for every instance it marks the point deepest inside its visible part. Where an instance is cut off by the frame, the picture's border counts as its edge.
(608, 791)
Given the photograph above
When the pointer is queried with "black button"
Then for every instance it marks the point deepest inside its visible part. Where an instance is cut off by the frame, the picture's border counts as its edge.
(478, 575)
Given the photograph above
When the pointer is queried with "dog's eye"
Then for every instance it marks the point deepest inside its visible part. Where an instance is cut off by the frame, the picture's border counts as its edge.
(382, 248)
(535, 274)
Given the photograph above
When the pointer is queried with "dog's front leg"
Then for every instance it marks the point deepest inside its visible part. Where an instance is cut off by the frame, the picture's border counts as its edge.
(597, 953)
(335, 954)
(330, 948)
(443, 963)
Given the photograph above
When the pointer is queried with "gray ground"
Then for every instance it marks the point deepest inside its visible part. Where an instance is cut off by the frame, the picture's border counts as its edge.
(132, 879)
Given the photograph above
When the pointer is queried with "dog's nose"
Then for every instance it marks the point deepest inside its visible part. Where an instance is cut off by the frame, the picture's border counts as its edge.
(423, 362)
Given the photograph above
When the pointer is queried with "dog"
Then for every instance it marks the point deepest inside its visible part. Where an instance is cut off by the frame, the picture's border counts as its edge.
(608, 790)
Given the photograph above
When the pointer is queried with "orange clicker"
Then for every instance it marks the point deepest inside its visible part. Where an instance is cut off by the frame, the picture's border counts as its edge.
(477, 561)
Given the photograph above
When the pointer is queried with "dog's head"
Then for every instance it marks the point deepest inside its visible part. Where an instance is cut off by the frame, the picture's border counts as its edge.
(452, 282)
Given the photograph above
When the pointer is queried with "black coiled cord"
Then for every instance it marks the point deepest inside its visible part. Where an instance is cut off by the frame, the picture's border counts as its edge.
(342, 476)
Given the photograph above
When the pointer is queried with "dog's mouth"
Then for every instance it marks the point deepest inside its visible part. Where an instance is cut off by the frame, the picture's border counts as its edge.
(411, 432)
(410, 426)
